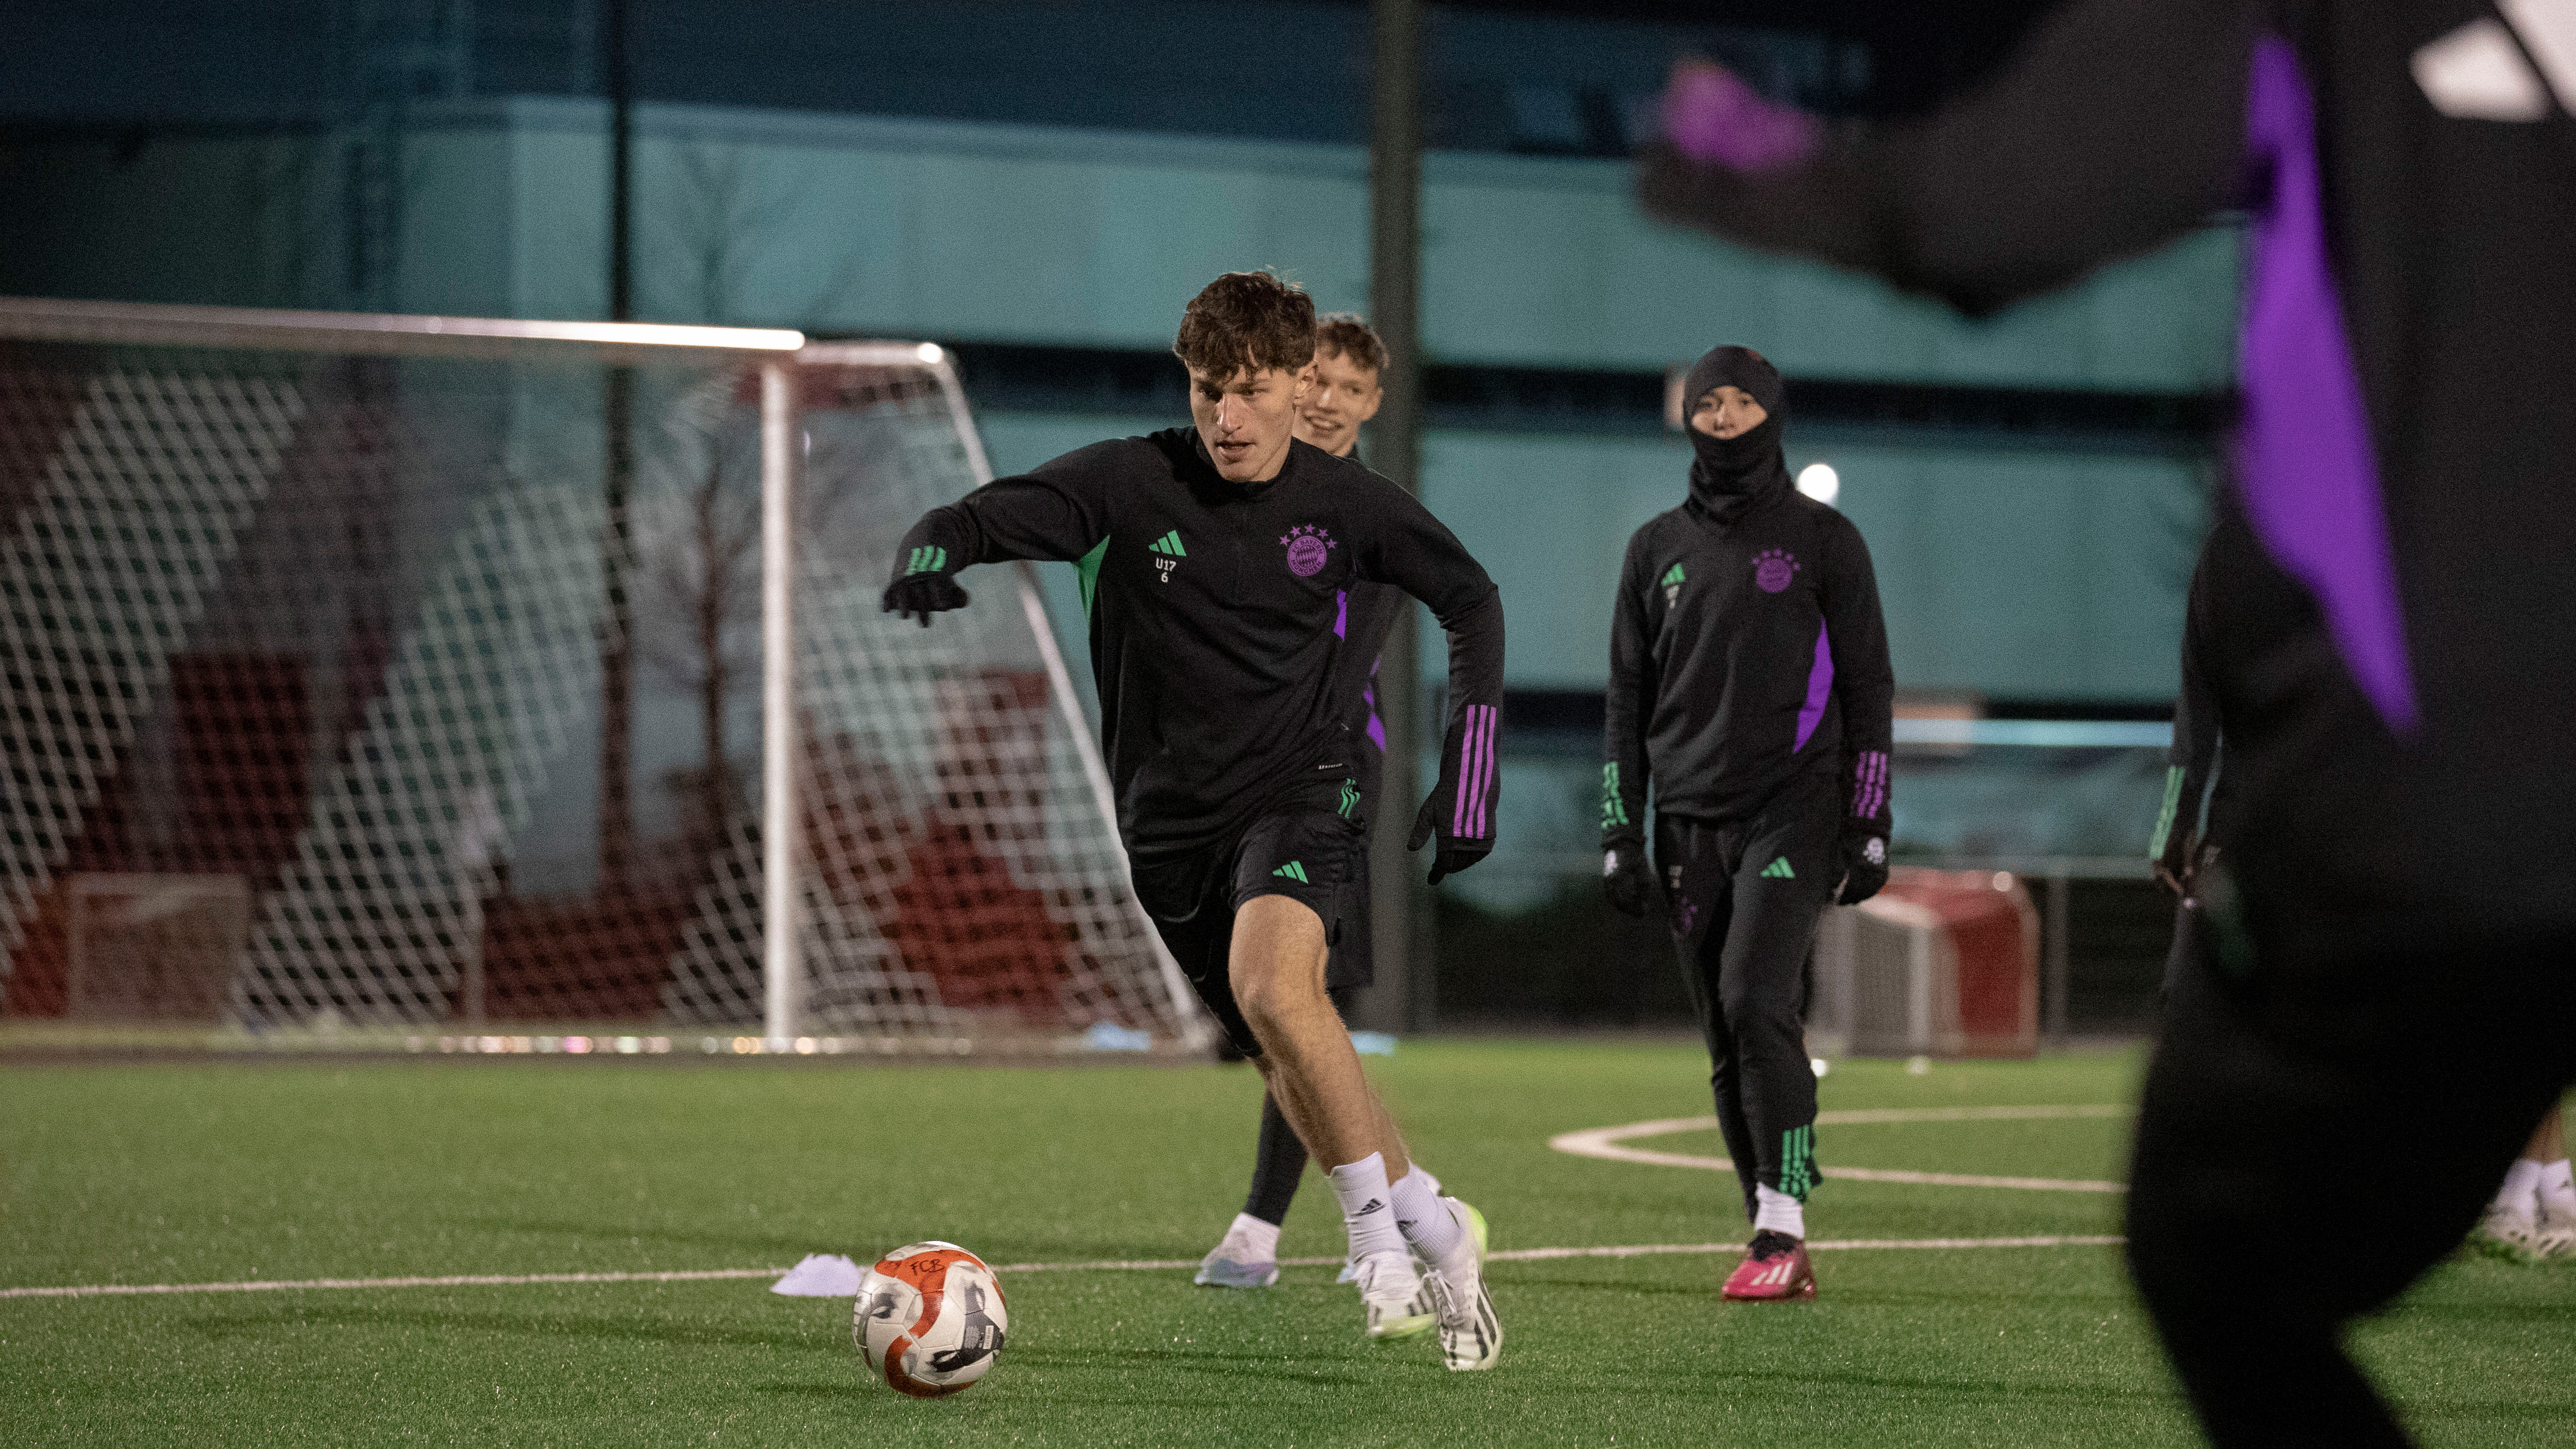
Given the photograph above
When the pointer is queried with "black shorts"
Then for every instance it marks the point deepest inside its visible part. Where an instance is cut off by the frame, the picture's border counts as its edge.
(1307, 846)
(1353, 965)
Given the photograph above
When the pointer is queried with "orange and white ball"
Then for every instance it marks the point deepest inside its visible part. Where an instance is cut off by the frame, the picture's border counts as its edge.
(930, 1319)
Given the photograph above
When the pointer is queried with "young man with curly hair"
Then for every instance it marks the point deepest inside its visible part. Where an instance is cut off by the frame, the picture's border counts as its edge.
(1217, 563)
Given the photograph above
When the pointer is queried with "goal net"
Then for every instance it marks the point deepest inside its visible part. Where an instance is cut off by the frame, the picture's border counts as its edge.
(1939, 963)
(409, 674)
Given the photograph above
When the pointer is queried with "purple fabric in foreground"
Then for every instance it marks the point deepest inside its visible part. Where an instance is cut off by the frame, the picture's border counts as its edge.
(1376, 726)
(2304, 462)
(1820, 685)
(1717, 120)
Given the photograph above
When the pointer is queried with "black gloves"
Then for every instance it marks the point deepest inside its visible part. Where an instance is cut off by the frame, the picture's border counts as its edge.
(1864, 867)
(922, 595)
(1626, 876)
(1453, 854)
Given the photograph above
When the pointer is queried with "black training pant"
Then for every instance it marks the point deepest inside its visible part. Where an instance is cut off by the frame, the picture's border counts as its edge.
(2310, 1142)
(1744, 897)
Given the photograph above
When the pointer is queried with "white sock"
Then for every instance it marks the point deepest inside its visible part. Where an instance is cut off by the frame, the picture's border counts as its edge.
(1777, 1212)
(2521, 1190)
(1368, 1207)
(1262, 1238)
(1426, 1221)
(2558, 1186)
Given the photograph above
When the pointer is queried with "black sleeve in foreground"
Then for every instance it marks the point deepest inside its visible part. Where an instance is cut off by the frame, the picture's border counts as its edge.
(1417, 553)
(1864, 682)
(2196, 731)
(1057, 510)
(2118, 125)
(1629, 704)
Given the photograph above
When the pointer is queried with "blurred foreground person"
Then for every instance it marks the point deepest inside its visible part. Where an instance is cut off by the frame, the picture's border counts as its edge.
(2387, 999)
(2199, 796)
(1749, 686)
(1342, 392)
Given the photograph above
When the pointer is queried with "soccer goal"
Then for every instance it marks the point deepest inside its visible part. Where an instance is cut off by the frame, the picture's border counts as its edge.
(492, 678)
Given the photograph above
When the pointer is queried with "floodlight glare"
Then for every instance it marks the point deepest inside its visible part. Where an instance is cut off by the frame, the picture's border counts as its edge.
(1820, 482)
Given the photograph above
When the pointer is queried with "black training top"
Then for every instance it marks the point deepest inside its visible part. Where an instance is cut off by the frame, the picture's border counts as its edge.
(1746, 651)
(2396, 651)
(1221, 622)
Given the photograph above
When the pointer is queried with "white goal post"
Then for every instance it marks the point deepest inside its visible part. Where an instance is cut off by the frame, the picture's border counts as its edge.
(307, 610)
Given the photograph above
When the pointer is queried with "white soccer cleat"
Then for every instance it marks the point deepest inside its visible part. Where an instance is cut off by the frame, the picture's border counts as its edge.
(2509, 1231)
(1237, 1262)
(1391, 1287)
(2553, 1233)
(1471, 1336)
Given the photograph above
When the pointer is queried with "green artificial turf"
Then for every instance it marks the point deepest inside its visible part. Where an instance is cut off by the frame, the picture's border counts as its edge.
(198, 1173)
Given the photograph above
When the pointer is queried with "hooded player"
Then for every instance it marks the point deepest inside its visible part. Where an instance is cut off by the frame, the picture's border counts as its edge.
(1749, 682)
(2391, 930)
(1217, 563)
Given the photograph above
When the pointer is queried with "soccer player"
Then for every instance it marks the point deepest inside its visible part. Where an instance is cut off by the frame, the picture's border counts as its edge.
(2392, 932)
(1217, 563)
(1342, 394)
(1749, 685)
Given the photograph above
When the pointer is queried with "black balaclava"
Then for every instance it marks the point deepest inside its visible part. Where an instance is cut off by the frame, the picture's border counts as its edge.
(1730, 475)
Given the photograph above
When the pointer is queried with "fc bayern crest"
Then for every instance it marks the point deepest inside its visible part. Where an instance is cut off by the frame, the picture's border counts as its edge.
(1309, 549)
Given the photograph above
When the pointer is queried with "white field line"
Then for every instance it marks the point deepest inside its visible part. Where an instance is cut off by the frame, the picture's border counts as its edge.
(1100, 1265)
(1609, 1145)
(457, 1280)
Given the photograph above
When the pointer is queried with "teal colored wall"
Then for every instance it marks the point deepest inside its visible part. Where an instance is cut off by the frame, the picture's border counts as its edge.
(1023, 234)
(2008, 573)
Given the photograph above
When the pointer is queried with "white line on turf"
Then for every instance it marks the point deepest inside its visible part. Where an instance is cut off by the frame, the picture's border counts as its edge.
(457, 1280)
(1104, 1265)
(1609, 1145)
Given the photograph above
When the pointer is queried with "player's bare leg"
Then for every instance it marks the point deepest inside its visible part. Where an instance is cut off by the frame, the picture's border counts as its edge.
(1390, 1209)
(1277, 970)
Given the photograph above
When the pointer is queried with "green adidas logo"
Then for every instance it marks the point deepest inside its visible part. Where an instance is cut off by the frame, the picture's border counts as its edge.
(926, 559)
(1672, 576)
(1614, 811)
(1170, 544)
(1295, 870)
(1779, 870)
(1350, 797)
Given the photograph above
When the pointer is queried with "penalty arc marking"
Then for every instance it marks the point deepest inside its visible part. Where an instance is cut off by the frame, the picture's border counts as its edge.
(1610, 1145)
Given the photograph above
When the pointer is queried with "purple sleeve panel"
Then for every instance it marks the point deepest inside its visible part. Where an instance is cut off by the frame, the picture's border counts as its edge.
(2305, 466)
(1341, 613)
(1717, 120)
(1376, 726)
(1820, 688)
(1472, 817)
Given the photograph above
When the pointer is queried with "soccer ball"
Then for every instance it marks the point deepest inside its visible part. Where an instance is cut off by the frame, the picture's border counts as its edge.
(930, 1319)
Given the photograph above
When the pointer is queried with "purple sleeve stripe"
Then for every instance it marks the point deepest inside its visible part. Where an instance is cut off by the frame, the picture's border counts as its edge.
(1342, 615)
(1483, 715)
(1485, 793)
(1485, 796)
(1475, 774)
(1869, 783)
